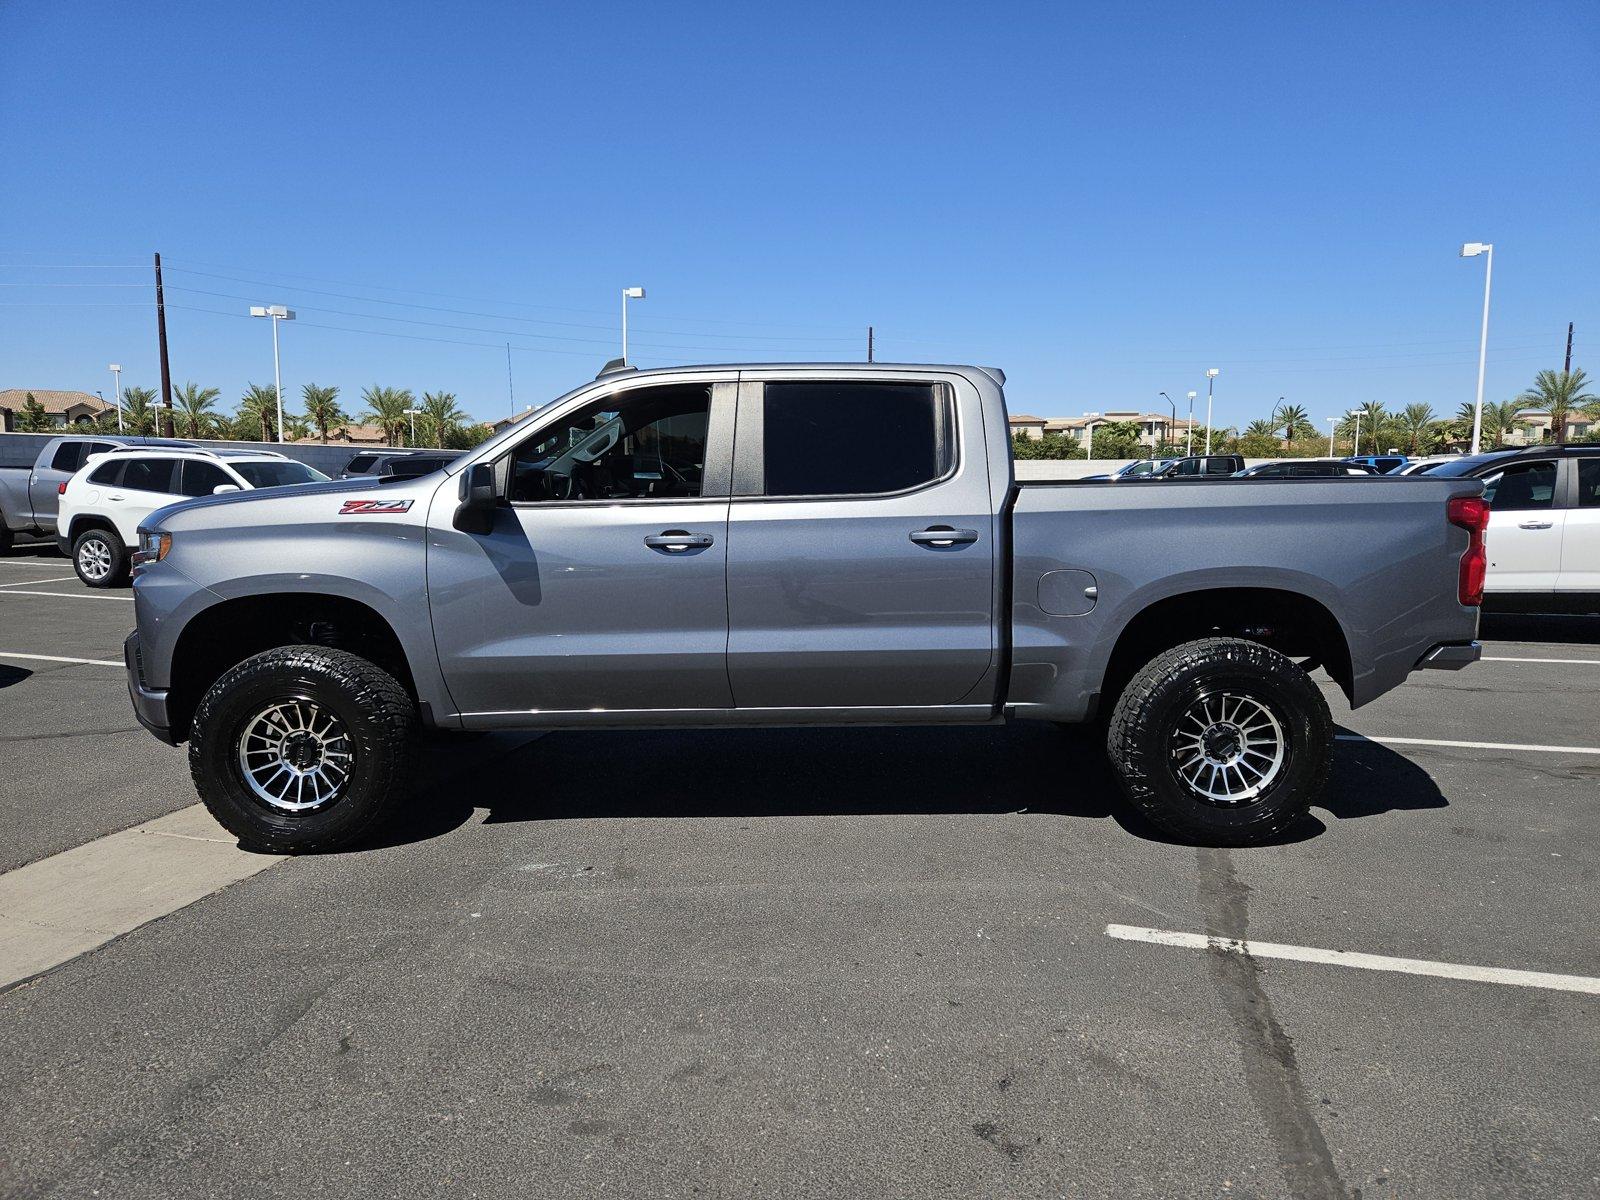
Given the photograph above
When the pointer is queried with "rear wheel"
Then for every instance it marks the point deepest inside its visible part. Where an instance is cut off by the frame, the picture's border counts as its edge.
(100, 558)
(303, 749)
(1222, 742)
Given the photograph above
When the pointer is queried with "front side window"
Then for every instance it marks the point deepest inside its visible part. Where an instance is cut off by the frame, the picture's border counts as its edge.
(854, 439)
(150, 475)
(644, 444)
(1523, 485)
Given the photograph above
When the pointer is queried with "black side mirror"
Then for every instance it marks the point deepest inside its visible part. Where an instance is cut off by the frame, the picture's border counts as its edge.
(475, 513)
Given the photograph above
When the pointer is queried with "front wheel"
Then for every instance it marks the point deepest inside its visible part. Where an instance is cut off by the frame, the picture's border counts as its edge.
(1222, 742)
(303, 749)
(100, 558)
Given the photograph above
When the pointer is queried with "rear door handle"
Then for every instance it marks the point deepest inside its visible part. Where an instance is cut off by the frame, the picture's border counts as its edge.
(676, 541)
(115, 496)
(1535, 525)
(939, 536)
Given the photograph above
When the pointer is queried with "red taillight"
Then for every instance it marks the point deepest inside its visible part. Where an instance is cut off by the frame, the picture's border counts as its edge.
(1472, 514)
(61, 488)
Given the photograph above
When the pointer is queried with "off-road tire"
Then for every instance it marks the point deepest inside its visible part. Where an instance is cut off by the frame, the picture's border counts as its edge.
(379, 715)
(1139, 740)
(115, 550)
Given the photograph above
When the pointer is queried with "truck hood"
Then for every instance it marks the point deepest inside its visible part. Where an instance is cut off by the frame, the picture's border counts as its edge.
(294, 491)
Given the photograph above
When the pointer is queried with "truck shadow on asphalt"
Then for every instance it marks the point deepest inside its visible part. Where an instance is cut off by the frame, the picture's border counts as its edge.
(757, 773)
(1570, 629)
(10, 675)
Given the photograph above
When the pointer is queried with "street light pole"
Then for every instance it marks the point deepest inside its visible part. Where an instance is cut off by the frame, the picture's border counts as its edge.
(1188, 434)
(1211, 378)
(631, 293)
(1088, 435)
(276, 312)
(1472, 250)
(1333, 423)
(1355, 450)
(116, 374)
(412, 413)
(1170, 428)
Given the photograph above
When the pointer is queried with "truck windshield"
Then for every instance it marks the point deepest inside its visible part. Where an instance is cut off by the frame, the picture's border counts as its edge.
(271, 473)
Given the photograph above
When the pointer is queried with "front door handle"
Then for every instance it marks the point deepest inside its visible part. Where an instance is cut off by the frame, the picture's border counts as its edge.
(676, 541)
(940, 536)
(1535, 525)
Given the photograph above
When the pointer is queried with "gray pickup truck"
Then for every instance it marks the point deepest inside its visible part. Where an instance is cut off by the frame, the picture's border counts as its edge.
(786, 545)
(29, 496)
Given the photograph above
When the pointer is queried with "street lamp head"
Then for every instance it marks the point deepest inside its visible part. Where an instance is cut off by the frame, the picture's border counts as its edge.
(1192, 395)
(633, 293)
(272, 310)
(1473, 249)
(1212, 373)
(113, 366)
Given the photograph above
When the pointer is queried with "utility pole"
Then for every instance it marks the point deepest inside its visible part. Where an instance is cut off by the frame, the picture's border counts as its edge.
(869, 345)
(1569, 348)
(166, 372)
(511, 388)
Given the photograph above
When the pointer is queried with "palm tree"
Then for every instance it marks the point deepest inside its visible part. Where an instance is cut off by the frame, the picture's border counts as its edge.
(322, 408)
(258, 413)
(387, 407)
(1293, 419)
(1416, 420)
(138, 411)
(1373, 417)
(193, 403)
(441, 410)
(1561, 394)
(1260, 428)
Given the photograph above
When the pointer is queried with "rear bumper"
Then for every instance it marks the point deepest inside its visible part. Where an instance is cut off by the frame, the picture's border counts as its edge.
(64, 544)
(1450, 656)
(149, 705)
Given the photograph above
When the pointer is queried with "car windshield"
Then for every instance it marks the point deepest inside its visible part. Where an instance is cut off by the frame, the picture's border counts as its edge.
(275, 473)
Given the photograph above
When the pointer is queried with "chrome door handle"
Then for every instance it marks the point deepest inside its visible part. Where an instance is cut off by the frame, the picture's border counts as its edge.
(676, 541)
(1535, 525)
(941, 536)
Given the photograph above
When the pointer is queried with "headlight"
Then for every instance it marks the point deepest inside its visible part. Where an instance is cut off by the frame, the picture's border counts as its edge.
(153, 548)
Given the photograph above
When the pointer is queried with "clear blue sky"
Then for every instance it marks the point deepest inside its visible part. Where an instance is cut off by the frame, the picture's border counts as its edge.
(1103, 199)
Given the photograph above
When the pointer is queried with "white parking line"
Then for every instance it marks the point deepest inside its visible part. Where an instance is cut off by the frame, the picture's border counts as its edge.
(66, 905)
(35, 582)
(1408, 741)
(68, 595)
(1586, 662)
(90, 662)
(1363, 962)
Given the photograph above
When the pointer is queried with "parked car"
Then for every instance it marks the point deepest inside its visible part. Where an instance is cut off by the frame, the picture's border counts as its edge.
(1139, 468)
(719, 546)
(1382, 464)
(386, 463)
(28, 495)
(1544, 525)
(411, 466)
(102, 505)
(1207, 465)
(1421, 466)
(1307, 468)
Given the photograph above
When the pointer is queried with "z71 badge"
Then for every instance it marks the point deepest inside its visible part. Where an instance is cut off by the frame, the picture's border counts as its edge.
(373, 507)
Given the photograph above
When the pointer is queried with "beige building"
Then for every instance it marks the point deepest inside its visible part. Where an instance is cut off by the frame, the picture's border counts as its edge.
(1533, 426)
(63, 408)
(1155, 428)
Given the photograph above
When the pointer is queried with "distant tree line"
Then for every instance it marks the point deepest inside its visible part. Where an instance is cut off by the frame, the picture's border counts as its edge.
(439, 420)
(1290, 432)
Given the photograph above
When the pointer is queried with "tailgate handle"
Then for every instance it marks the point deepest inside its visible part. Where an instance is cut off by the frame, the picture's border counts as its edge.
(940, 536)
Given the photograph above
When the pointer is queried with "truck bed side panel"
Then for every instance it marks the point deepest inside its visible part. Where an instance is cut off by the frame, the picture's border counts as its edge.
(1378, 554)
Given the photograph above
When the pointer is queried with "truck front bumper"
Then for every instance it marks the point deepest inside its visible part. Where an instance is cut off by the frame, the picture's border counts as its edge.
(149, 705)
(1450, 656)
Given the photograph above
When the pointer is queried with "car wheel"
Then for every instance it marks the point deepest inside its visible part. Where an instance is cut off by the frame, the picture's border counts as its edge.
(1222, 742)
(303, 749)
(99, 558)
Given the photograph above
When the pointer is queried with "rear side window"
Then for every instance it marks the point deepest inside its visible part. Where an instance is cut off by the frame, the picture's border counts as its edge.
(361, 463)
(854, 439)
(69, 457)
(201, 478)
(108, 474)
(150, 475)
(1220, 466)
(1523, 485)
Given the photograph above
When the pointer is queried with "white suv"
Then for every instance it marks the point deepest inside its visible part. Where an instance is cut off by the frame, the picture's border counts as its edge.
(104, 503)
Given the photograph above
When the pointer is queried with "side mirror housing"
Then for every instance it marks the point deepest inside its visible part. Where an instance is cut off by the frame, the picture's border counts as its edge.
(475, 513)
(224, 488)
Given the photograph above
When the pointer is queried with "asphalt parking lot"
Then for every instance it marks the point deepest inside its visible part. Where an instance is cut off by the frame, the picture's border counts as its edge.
(859, 963)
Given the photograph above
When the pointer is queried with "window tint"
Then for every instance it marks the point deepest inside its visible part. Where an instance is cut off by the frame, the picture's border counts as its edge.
(69, 456)
(1588, 482)
(1521, 486)
(108, 474)
(360, 463)
(1221, 466)
(853, 439)
(150, 475)
(202, 478)
(645, 444)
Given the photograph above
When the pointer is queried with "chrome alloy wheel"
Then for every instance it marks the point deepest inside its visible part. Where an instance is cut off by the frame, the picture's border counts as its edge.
(295, 755)
(1227, 748)
(94, 559)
